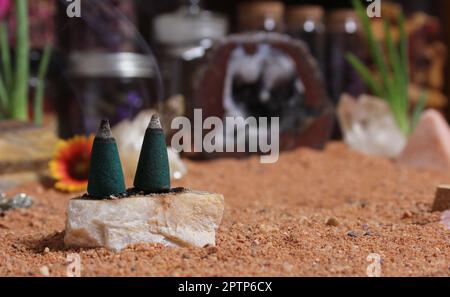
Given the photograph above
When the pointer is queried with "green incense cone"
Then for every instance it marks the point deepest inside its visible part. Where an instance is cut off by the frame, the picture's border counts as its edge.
(152, 173)
(105, 172)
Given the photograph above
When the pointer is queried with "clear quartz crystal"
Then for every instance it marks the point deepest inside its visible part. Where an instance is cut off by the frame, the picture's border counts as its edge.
(368, 126)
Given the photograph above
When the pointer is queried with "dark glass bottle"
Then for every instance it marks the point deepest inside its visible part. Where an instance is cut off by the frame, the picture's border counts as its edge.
(306, 22)
(261, 16)
(182, 38)
(108, 70)
(344, 35)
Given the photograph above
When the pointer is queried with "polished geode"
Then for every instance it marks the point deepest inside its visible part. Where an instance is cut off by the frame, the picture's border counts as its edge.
(266, 75)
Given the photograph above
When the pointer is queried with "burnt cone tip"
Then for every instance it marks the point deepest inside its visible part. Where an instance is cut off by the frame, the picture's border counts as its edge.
(155, 122)
(104, 131)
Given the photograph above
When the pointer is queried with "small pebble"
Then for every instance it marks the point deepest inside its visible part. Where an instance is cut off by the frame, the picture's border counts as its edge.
(363, 203)
(288, 267)
(332, 221)
(304, 220)
(352, 234)
(368, 233)
(185, 256)
(46, 250)
(44, 271)
(211, 250)
(407, 214)
(21, 200)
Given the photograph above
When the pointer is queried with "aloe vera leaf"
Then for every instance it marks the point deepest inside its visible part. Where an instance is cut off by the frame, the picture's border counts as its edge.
(5, 56)
(374, 47)
(404, 46)
(39, 94)
(3, 98)
(420, 106)
(366, 75)
(19, 100)
(398, 77)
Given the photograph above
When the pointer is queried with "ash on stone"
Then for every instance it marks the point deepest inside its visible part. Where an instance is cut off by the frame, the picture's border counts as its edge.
(133, 192)
(104, 131)
(155, 123)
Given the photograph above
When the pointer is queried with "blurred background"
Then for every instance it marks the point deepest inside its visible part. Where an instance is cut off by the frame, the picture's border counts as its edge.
(169, 29)
(123, 58)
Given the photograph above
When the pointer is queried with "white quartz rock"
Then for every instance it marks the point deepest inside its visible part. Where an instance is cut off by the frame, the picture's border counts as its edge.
(129, 135)
(368, 126)
(186, 218)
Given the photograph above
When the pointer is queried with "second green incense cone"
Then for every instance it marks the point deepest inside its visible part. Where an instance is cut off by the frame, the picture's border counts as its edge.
(105, 172)
(153, 174)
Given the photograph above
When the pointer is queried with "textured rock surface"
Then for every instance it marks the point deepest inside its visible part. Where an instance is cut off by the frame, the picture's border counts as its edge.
(445, 219)
(429, 145)
(442, 198)
(369, 127)
(25, 147)
(188, 218)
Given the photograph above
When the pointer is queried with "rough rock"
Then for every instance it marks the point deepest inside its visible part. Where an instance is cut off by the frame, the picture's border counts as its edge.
(442, 198)
(186, 218)
(429, 144)
(445, 219)
(368, 126)
(25, 147)
(21, 200)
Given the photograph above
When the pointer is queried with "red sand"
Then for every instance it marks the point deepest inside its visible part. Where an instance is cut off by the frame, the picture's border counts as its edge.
(274, 223)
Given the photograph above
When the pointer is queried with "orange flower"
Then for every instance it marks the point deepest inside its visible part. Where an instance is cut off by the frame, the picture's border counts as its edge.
(70, 165)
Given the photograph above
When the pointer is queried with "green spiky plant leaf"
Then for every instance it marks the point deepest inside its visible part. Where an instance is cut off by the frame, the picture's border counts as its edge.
(14, 82)
(392, 69)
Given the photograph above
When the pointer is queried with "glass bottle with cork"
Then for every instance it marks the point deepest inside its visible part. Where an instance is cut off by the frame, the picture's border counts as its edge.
(344, 35)
(183, 37)
(306, 22)
(261, 16)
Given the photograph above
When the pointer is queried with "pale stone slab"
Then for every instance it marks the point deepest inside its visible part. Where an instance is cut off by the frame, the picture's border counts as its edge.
(429, 145)
(187, 218)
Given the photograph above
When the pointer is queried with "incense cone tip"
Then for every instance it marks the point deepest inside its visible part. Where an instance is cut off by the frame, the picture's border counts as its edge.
(104, 131)
(155, 123)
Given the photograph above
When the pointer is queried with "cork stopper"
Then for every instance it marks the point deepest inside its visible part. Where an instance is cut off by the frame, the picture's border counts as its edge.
(299, 13)
(256, 15)
(343, 20)
(341, 15)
